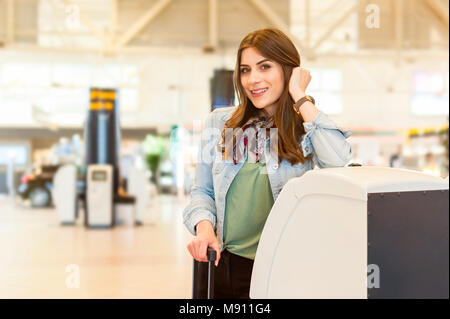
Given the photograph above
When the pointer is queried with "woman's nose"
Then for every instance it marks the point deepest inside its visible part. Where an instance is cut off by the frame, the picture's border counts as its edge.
(254, 78)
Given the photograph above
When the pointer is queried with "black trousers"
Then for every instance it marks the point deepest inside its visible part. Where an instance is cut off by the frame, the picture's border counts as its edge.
(231, 277)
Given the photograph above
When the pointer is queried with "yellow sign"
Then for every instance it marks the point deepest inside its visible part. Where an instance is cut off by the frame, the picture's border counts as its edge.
(103, 95)
(98, 106)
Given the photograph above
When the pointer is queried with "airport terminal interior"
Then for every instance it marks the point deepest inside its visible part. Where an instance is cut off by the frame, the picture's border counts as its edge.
(103, 102)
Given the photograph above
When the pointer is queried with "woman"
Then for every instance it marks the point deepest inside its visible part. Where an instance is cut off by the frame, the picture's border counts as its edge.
(238, 181)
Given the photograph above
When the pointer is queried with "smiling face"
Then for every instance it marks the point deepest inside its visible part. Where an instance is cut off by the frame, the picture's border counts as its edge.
(262, 79)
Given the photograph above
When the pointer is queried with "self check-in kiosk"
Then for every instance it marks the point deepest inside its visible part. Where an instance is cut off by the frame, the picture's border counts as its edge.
(99, 196)
(356, 232)
(64, 194)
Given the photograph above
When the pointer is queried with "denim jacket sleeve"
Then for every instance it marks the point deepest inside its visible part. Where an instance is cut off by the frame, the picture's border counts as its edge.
(327, 142)
(202, 205)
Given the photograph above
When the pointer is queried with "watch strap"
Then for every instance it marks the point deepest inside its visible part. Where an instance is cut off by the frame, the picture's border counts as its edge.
(299, 103)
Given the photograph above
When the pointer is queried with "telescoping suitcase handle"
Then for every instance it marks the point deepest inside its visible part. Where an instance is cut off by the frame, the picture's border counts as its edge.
(203, 276)
(211, 255)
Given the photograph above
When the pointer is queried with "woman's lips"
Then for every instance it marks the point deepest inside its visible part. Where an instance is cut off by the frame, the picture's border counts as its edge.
(259, 92)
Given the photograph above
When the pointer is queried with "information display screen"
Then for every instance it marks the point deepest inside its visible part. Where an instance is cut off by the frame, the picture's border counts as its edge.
(99, 175)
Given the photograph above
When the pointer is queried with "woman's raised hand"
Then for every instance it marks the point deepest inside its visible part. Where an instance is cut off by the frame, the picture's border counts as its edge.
(298, 83)
(205, 238)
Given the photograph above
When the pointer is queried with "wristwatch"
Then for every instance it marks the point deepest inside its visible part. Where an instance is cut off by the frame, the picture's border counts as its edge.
(299, 103)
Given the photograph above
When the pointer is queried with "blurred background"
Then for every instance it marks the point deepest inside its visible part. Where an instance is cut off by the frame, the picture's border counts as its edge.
(379, 68)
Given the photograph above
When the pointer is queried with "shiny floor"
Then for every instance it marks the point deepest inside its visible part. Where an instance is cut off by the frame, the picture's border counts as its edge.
(42, 259)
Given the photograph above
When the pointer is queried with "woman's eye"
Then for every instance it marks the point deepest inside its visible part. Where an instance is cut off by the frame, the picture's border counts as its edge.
(244, 70)
(265, 66)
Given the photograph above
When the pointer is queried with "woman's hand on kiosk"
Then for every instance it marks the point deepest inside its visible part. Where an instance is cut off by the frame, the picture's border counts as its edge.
(205, 238)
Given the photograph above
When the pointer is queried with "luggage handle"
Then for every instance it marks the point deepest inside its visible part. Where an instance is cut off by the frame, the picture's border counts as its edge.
(211, 255)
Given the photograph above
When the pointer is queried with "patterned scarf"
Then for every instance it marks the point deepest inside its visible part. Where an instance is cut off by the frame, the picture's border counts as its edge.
(251, 139)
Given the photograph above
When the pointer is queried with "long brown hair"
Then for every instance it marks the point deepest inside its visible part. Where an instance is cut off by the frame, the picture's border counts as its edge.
(276, 46)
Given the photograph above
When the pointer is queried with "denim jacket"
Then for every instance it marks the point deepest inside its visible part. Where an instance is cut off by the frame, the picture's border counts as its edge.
(213, 176)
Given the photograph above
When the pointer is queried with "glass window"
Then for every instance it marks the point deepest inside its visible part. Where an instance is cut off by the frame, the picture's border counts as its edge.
(326, 88)
(19, 153)
(128, 99)
(429, 93)
(25, 74)
(44, 93)
(80, 74)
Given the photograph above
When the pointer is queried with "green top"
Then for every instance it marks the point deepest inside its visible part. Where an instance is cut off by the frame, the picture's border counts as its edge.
(248, 203)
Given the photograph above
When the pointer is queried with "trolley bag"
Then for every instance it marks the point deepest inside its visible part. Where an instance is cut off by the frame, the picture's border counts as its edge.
(203, 277)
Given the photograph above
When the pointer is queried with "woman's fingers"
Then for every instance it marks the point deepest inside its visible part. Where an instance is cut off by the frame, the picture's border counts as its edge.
(194, 249)
(191, 249)
(203, 248)
(216, 247)
(198, 249)
(300, 79)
